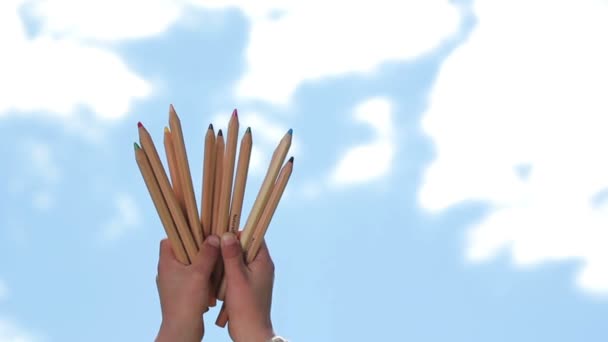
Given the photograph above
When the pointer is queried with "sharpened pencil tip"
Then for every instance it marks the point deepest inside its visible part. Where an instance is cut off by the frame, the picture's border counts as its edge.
(290, 132)
(248, 130)
(139, 124)
(235, 113)
(290, 160)
(219, 133)
(211, 126)
(135, 146)
(167, 131)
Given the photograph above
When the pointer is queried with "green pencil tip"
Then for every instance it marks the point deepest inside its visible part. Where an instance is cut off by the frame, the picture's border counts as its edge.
(135, 146)
(248, 130)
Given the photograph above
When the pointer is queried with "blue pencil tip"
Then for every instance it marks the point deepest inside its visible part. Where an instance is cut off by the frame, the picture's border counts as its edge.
(290, 132)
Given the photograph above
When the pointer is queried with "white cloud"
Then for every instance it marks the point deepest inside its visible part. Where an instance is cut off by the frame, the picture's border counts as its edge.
(124, 220)
(69, 64)
(56, 76)
(373, 160)
(91, 19)
(527, 90)
(11, 332)
(318, 39)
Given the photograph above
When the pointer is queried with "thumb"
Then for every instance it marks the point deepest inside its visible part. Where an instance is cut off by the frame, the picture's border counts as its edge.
(207, 256)
(234, 265)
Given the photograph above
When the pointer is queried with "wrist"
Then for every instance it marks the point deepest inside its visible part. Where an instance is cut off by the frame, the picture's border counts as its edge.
(180, 330)
(264, 334)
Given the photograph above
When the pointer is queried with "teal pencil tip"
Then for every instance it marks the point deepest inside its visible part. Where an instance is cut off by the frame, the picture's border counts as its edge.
(290, 132)
(135, 146)
(248, 130)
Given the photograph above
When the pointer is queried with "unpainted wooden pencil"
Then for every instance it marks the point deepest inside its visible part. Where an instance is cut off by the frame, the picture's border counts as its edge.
(278, 158)
(251, 247)
(219, 165)
(160, 205)
(163, 181)
(185, 176)
(208, 181)
(263, 224)
(228, 173)
(240, 182)
(173, 170)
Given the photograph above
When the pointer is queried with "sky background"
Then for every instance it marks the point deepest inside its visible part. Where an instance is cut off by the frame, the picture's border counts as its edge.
(450, 184)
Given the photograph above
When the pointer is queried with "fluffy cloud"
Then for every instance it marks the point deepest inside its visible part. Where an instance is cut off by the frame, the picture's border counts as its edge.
(124, 220)
(306, 41)
(52, 74)
(67, 63)
(88, 20)
(370, 161)
(518, 118)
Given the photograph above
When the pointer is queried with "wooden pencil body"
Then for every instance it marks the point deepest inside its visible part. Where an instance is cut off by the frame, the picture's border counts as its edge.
(186, 178)
(240, 182)
(173, 169)
(268, 213)
(252, 246)
(208, 181)
(278, 158)
(161, 206)
(219, 165)
(260, 230)
(167, 192)
(228, 174)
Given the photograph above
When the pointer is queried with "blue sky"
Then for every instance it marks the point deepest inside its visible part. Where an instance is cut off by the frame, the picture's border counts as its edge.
(449, 180)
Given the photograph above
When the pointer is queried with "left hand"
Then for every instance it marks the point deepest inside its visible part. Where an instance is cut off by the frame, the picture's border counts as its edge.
(184, 291)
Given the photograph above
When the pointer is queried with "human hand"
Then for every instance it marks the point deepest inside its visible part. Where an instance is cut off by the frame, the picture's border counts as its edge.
(248, 292)
(184, 291)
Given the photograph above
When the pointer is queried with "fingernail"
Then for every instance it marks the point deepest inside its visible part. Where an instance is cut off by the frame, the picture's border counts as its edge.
(213, 240)
(228, 239)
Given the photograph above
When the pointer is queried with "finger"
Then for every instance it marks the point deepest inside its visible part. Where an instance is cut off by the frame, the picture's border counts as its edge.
(207, 256)
(262, 260)
(234, 265)
(166, 254)
(165, 249)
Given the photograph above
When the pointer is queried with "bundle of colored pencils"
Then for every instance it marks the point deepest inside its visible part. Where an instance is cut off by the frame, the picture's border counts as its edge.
(221, 203)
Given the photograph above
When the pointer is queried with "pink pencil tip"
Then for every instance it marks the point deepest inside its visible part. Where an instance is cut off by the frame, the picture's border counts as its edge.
(139, 124)
(235, 113)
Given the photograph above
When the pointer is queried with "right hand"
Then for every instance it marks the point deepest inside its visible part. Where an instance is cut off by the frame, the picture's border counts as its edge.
(248, 292)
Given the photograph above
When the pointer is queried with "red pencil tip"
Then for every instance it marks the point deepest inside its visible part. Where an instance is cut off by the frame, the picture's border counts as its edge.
(139, 124)
(235, 113)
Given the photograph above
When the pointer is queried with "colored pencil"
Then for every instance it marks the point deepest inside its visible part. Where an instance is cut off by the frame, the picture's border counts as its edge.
(219, 165)
(276, 162)
(263, 224)
(275, 196)
(160, 204)
(240, 182)
(208, 181)
(228, 173)
(161, 176)
(184, 171)
(173, 171)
